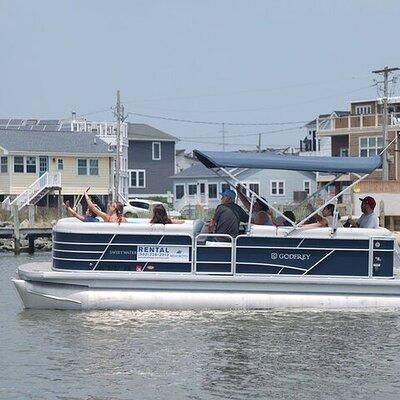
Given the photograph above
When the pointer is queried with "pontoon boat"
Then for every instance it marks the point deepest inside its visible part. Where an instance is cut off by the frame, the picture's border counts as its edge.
(138, 265)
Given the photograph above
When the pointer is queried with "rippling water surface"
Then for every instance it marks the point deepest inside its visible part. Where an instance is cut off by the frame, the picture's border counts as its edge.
(194, 355)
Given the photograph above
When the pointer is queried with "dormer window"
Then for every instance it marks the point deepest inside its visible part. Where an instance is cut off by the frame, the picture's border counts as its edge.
(363, 110)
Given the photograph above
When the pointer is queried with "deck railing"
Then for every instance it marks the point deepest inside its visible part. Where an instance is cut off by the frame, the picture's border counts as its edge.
(47, 180)
(356, 122)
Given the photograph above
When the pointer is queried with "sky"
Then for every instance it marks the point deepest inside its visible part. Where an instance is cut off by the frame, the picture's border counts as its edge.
(269, 65)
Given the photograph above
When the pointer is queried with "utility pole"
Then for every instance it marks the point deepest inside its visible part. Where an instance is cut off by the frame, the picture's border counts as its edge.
(223, 136)
(118, 112)
(259, 143)
(385, 72)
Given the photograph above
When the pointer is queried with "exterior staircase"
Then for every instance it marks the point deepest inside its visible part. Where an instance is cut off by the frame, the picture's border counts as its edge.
(33, 193)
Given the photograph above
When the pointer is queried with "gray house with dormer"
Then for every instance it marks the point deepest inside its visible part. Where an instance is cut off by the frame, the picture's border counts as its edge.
(151, 161)
(200, 186)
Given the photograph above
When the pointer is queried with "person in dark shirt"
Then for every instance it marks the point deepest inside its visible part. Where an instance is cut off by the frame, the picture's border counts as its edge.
(89, 216)
(228, 215)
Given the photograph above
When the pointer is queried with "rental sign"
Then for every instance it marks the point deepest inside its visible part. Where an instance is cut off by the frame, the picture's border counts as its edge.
(162, 253)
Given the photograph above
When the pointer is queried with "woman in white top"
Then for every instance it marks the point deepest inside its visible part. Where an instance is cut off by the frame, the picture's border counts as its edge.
(326, 220)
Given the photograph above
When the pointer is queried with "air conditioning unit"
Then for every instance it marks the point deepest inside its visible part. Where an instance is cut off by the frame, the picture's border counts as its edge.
(299, 196)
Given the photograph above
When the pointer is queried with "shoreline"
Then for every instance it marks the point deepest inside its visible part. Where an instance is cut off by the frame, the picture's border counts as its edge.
(41, 244)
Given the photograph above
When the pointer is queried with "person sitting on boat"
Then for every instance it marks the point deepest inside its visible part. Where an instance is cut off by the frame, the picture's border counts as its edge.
(115, 211)
(280, 221)
(228, 215)
(368, 218)
(89, 216)
(326, 220)
(160, 216)
(260, 213)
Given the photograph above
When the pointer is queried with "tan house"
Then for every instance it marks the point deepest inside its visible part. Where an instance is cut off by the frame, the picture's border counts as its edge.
(358, 132)
(33, 163)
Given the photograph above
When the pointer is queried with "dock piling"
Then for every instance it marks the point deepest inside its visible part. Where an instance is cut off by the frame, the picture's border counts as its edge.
(17, 241)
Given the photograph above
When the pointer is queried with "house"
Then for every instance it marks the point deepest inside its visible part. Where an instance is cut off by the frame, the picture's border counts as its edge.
(79, 160)
(151, 161)
(358, 133)
(198, 185)
(106, 131)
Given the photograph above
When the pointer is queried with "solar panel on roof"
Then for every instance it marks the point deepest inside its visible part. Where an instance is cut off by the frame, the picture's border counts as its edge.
(48, 122)
(51, 128)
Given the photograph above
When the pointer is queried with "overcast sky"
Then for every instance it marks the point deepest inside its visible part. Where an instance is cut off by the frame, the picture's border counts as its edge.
(206, 60)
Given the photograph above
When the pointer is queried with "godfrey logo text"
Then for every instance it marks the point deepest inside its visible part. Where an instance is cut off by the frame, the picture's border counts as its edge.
(290, 256)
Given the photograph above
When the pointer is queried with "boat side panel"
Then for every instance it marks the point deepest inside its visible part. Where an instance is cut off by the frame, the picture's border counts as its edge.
(333, 257)
(122, 252)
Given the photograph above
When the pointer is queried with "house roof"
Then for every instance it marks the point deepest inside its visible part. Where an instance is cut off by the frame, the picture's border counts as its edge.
(17, 141)
(147, 132)
(342, 113)
(197, 170)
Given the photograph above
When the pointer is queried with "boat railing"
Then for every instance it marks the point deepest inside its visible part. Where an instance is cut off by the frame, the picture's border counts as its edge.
(224, 251)
(226, 255)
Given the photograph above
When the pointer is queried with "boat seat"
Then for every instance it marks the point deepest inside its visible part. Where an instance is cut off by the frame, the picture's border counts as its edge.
(210, 243)
(341, 233)
(198, 225)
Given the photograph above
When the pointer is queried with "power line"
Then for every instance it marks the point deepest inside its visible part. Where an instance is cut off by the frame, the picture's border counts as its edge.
(193, 121)
(238, 92)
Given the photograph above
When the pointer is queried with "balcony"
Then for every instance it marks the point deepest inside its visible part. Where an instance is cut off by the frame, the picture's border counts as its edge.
(342, 125)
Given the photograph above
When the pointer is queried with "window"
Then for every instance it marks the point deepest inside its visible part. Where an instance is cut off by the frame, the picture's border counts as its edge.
(255, 187)
(363, 110)
(370, 146)
(212, 191)
(31, 165)
(4, 165)
(224, 186)
(82, 166)
(307, 187)
(138, 178)
(277, 188)
(344, 152)
(192, 189)
(18, 164)
(179, 191)
(156, 151)
(245, 188)
(60, 164)
(85, 167)
(93, 167)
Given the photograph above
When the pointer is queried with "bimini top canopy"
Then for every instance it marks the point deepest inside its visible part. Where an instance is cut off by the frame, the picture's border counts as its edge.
(218, 159)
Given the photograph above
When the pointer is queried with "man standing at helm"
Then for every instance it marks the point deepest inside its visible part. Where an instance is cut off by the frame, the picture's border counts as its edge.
(368, 218)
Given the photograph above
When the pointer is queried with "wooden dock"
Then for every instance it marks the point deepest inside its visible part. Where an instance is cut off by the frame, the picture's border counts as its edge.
(31, 234)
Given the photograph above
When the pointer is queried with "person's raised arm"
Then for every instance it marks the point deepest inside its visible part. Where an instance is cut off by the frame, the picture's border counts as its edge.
(72, 213)
(94, 208)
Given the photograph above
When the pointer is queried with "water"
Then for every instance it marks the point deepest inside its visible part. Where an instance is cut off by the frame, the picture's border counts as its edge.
(115, 355)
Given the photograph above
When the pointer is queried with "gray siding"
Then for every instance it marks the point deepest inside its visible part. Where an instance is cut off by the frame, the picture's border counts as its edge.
(293, 181)
(158, 172)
